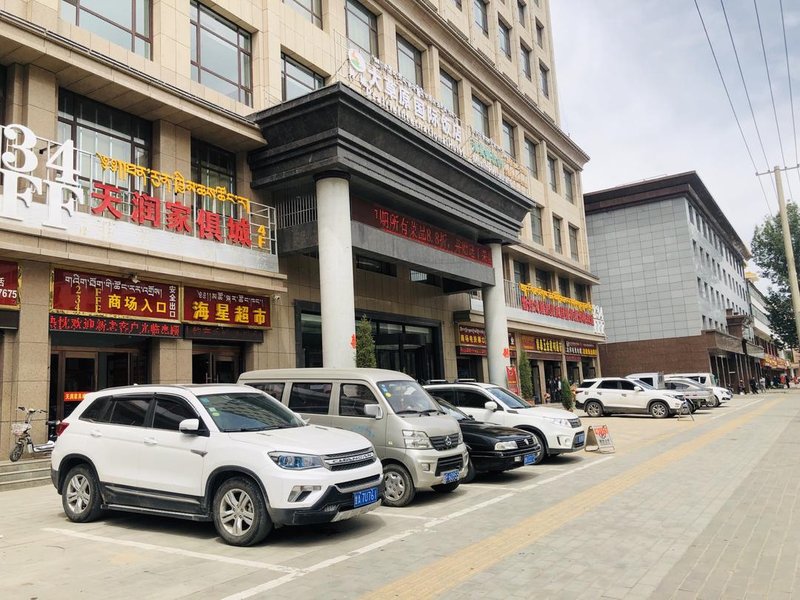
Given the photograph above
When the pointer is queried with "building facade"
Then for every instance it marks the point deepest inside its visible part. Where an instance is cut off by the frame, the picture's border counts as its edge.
(674, 291)
(404, 162)
(770, 361)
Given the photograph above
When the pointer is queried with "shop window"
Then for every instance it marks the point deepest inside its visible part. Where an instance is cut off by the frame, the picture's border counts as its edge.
(221, 54)
(449, 96)
(480, 116)
(169, 412)
(310, 9)
(536, 225)
(123, 22)
(409, 61)
(353, 397)
(362, 27)
(314, 398)
(297, 80)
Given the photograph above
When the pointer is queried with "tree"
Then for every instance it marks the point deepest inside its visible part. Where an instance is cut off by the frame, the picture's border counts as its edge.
(525, 378)
(365, 344)
(770, 257)
(567, 397)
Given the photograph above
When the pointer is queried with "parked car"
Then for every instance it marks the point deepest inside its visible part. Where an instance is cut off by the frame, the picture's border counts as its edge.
(655, 380)
(492, 448)
(418, 446)
(608, 395)
(692, 391)
(556, 430)
(223, 453)
(709, 380)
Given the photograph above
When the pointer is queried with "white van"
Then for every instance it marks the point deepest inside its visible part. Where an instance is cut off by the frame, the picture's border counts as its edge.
(418, 445)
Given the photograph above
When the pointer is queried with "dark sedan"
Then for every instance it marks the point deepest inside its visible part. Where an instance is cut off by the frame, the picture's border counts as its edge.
(493, 448)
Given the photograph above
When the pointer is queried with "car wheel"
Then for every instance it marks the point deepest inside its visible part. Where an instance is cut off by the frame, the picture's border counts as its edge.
(446, 488)
(470, 473)
(659, 409)
(593, 409)
(16, 453)
(542, 454)
(240, 512)
(398, 487)
(715, 402)
(81, 495)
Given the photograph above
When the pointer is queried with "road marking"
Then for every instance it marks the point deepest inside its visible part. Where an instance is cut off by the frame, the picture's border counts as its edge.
(570, 472)
(490, 486)
(440, 577)
(466, 511)
(733, 410)
(170, 550)
(382, 513)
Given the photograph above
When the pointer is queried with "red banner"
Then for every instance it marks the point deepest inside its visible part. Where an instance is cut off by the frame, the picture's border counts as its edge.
(420, 232)
(115, 326)
(214, 307)
(513, 380)
(79, 293)
(9, 285)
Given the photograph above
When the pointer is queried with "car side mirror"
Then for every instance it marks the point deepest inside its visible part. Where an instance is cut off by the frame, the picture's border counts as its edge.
(637, 388)
(374, 411)
(491, 405)
(189, 426)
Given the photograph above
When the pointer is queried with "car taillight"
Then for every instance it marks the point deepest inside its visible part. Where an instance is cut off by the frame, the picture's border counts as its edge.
(61, 427)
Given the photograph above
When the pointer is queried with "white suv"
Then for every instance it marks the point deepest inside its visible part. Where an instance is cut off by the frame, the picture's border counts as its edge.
(556, 430)
(607, 395)
(227, 453)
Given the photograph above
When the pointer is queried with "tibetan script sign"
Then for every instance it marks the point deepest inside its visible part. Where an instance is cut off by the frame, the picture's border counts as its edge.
(214, 307)
(9, 285)
(541, 344)
(114, 326)
(85, 294)
(579, 348)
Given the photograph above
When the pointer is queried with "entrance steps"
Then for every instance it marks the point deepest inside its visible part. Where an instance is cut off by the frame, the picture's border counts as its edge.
(26, 472)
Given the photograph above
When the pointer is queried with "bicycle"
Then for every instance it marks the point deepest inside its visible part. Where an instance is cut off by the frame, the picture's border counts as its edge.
(22, 432)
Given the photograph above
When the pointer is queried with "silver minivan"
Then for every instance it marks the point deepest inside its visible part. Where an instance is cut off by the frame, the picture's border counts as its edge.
(418, 445)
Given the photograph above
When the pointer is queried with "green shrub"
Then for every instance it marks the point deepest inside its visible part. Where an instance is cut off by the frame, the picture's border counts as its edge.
(525, 378)
(365, 344)
(567, 397)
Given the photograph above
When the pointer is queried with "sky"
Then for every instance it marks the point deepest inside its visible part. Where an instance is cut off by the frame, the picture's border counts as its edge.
(640, 93)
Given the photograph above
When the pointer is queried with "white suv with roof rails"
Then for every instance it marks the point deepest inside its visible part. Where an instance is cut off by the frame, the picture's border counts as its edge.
(557, 430)
(227, 453)
(608, 395)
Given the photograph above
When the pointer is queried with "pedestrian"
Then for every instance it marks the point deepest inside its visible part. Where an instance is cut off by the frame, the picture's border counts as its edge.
(741, 387)
(753, 389)
(762, 383)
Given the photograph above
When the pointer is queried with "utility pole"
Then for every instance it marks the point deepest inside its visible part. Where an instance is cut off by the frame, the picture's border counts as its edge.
(787, 245)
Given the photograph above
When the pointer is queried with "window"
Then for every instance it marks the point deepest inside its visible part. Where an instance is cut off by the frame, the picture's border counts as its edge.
(297, 80)
(124, 22)
(480, 16)
(374, 265)
(573, 242)
(273, 388)
(569, 186)
(581, 292)
(353, 397)
(626, 385)
(97, 128)
(310, 398)
(557, 234)
(552, 172)
(457, 3)
(539, 34)
(362, 27)
(612, 384)
(536, 225)
(521, 272)
(310, 9)
(449, 95)
(469, 399)
(97, 411)
(480, 116)
(129, 411)
(522, 13)
(221, 54)
(563, 287)
(525, 61)
(531, 159)
(542, 279)
(509, 139)
(169, 413)
(409, 61)
(504, 38)
(544, 80)
(214, 167)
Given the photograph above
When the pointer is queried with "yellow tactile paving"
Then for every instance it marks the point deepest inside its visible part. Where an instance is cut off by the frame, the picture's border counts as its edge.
(449, 572)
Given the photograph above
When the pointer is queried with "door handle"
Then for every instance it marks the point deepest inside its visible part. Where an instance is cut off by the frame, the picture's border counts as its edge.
(95, 433)
(150, 441)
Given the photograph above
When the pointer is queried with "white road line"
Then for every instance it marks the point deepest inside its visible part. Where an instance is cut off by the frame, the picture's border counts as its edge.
(733, 410)
(382, 513)
(170, 550)
(466, 511)
(566, 473)
(490, 486)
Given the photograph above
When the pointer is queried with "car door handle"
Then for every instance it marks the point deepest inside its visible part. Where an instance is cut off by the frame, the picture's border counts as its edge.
(95, 433)
(150, 441)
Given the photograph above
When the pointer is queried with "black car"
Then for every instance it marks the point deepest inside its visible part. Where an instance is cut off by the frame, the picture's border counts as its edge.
(493, 448)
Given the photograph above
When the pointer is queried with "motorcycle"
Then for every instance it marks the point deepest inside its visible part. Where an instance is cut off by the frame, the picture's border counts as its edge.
(22, 432)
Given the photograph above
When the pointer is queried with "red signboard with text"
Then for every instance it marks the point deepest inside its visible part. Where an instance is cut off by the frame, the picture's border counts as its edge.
(77, 293)
(214, 307)
(9, 285)
(89, 324)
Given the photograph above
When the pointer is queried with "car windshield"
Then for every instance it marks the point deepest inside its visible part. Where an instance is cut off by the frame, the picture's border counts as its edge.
(248, 411)
(644, 385)
(408, 398)
(508, 398)
(451, 410)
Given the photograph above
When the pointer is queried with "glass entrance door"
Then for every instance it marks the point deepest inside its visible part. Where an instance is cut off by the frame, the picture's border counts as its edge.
(216, 365)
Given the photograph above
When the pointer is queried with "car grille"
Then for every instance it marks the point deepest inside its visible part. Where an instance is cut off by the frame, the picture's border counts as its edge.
(445, 442)
(346, 485)
(349, 460)
(448, 464)
(575, 423)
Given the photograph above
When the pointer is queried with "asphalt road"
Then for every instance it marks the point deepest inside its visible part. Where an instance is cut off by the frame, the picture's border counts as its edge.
(703, 508)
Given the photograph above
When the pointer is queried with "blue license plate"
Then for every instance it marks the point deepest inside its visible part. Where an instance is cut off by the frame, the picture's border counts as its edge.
(364, 497)
(449, 476)
(580, 437)
(529, 459)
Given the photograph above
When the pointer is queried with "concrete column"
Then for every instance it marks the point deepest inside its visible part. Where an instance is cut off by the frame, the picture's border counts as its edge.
(336, 270)
(170, 361)
(494, 315)
(542, 380)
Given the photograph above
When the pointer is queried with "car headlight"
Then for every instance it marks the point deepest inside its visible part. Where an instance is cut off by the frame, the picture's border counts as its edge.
(512, 445)
(558, 421)
(416, 439)
(295, 462)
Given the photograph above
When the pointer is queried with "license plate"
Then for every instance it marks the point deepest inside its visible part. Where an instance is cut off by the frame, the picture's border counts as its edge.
(364, 497)
(449, 476)
(529, 459)
(580, 437)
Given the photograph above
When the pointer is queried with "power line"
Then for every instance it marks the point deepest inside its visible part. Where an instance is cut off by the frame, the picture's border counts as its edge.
(789, 77)
(733, 108)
